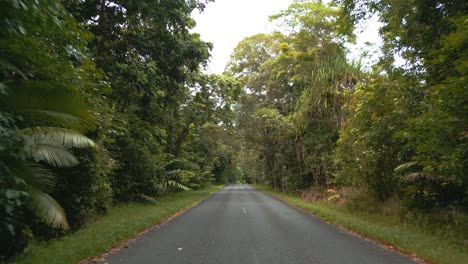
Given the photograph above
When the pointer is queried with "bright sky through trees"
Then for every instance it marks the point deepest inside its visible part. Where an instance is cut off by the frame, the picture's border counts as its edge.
(226, 22)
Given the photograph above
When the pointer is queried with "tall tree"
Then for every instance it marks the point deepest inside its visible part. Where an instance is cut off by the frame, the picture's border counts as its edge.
(305, 76)
(427, 36)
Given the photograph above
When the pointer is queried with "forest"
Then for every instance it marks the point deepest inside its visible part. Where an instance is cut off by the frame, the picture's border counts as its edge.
(107, 102)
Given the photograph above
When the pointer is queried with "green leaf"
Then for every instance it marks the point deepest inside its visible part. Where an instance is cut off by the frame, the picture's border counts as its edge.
(49, 117)
(46, 97)
(55, 156)
(178, 185)
(40, 177)
(33, 174)
(47, 209)
(405, 166)
(57, 137)
(148, 199)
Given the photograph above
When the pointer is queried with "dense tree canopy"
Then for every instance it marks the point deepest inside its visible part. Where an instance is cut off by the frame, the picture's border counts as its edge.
(105, 102)
(296, 82)
(313, 118)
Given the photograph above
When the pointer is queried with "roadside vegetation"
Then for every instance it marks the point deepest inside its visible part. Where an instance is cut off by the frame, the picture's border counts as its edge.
(121, 222)
(432, 243)
(103, 103)
(384, 139)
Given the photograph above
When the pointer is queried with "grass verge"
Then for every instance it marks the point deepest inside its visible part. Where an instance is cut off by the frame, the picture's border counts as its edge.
(409, 239)
(122, 222)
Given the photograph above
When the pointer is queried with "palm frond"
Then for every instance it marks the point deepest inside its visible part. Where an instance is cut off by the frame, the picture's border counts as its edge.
(148, 199)
(178, 185)
(173, 172)
(33, 174)
(405, 166)
(50, 96)
(57, 137)
(40, 177)
(54, 118)
(47, 209)
(55, 156)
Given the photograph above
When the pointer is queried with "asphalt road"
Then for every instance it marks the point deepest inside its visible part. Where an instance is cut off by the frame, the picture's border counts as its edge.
(241, 225)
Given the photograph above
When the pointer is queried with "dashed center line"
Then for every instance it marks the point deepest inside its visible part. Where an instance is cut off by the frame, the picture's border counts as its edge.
(243, 210)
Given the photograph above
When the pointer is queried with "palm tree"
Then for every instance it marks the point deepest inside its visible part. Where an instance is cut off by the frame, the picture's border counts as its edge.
(50, 119)
(42, 111)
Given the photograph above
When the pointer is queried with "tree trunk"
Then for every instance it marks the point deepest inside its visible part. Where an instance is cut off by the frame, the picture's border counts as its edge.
(102, 47)
(181, 138)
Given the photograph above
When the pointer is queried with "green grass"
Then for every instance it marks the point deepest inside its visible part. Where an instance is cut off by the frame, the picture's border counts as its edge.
(121, 223)
(409, 239)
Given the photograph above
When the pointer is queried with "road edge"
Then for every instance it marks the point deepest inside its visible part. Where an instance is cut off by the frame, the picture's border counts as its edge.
(389, 247)
(126, 242)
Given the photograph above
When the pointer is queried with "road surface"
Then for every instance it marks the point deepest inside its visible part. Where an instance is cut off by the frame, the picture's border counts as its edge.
(241, 225)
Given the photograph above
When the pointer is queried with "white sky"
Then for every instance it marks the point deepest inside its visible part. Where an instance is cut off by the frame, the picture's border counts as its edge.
(226, 22)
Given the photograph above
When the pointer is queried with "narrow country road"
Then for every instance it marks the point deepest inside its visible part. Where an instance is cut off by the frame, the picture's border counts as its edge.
(241, 225)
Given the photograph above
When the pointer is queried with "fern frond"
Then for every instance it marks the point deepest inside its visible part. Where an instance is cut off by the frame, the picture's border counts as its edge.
(47, 209)
(55, 156)
(57, 137)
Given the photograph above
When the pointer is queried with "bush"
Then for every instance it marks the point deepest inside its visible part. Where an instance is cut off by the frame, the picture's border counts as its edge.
(368, 150)
(85, 190)
(423, 192)
(140, 163)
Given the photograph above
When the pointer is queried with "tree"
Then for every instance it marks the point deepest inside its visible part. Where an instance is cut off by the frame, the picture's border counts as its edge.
(43, 110)
(148, 56)
(305, 76)
(427, 35)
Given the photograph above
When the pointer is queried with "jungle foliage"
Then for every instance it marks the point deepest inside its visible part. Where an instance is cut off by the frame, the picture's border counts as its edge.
(105, 102)
(311, 119)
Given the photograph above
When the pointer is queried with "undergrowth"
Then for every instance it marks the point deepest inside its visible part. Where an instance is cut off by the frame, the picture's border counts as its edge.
(436, 237)
(121, 223)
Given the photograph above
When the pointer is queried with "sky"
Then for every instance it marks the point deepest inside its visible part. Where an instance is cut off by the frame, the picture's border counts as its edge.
(226, 22)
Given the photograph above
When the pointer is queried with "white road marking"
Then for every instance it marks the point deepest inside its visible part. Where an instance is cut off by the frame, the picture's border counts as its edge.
(243, 210)
(179, 249)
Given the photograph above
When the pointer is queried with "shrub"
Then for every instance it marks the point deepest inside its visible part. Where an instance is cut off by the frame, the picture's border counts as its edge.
(139, 162)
